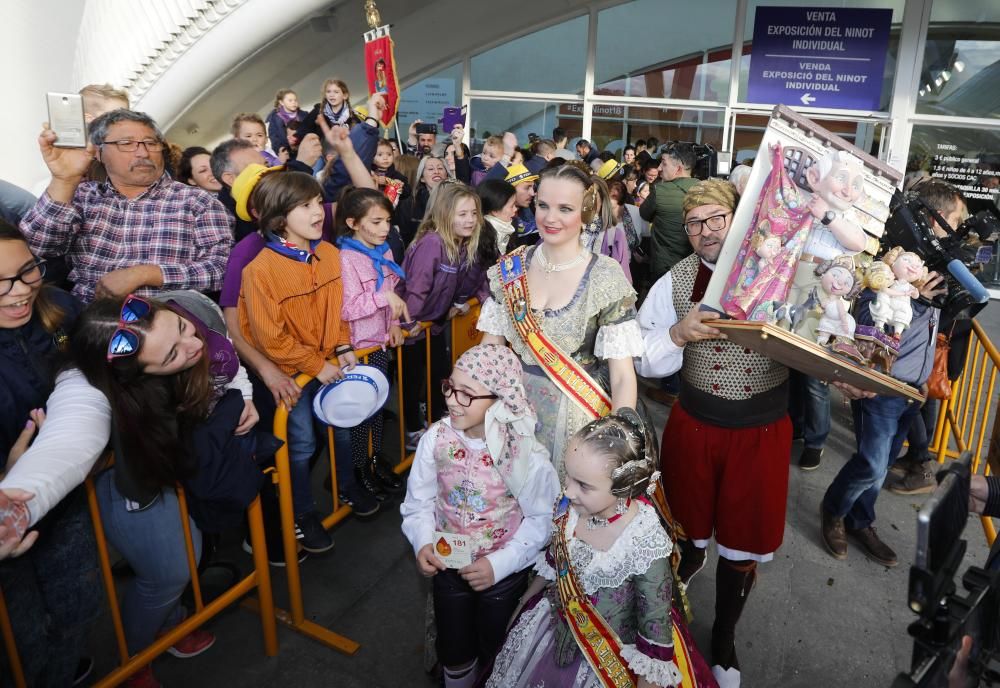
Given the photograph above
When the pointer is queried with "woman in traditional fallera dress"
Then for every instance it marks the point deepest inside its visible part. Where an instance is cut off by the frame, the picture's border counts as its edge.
(609, 563)
(579, 308)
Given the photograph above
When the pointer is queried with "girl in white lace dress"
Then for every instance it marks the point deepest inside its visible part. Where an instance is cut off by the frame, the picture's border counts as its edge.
(620, 554)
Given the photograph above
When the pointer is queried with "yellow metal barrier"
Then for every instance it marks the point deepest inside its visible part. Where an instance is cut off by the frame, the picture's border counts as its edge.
(259, 578)
(963, 418)
(463, 336)
(463, 333)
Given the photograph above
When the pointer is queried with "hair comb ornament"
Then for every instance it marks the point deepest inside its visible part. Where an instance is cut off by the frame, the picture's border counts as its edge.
(653, 478)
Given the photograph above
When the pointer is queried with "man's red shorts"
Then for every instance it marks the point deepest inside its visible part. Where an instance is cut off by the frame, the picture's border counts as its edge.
(730, 482)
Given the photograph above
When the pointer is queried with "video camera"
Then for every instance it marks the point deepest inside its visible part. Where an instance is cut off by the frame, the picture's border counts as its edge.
(706, 158)
(945, 617)
(909, 226)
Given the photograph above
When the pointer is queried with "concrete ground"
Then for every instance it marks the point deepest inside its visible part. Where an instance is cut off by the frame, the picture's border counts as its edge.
(811, 620)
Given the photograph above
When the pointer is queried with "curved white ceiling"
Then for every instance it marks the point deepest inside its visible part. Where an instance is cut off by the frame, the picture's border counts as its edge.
(196, 99)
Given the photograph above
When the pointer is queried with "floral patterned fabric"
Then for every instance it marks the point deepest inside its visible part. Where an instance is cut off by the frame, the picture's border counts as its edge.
(472, 498)
(629, 584)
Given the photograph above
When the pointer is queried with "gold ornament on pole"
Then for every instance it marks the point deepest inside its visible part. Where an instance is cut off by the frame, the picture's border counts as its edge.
(371, 15)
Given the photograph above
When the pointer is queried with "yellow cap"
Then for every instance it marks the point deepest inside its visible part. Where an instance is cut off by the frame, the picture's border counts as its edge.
(244, 184)
(608, 170)
(519, 174)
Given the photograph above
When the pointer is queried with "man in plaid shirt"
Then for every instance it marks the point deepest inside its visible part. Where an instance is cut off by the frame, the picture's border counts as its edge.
(140, 231)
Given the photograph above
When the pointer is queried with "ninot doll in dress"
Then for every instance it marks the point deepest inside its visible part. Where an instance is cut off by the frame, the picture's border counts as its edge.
(838, 284)
(599, 614)
(895, 288)
(483, 485)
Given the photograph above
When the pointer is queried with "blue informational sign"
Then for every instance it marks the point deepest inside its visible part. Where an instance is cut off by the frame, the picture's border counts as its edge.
(819, 57)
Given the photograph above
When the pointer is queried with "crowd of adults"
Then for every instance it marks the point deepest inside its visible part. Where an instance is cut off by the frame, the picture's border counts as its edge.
(126, 325)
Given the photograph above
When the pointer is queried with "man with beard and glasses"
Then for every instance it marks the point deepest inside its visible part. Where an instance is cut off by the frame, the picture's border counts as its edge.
(138, 232)
(724, 453)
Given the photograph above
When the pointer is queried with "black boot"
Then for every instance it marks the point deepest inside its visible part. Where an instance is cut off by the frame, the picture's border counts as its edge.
(387, 478)
(692, 561)
(733, 582)
(366, 481)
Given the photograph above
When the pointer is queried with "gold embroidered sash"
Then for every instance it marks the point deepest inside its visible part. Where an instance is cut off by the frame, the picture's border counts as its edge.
(596, 639)
(568, 375)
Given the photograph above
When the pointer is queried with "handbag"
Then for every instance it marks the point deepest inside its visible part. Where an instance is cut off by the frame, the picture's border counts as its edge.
(938, 384)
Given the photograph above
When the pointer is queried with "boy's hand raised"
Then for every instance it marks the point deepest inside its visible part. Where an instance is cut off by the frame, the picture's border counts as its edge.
(310, 150)
(376, 106)
(339, 138)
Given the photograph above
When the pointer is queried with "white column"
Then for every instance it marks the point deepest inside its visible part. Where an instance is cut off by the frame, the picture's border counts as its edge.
(912, 38)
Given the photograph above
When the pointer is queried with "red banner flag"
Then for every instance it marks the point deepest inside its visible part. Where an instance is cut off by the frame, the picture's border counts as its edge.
(380, 70)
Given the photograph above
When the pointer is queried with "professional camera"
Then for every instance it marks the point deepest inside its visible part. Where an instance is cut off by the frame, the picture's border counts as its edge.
(944, 615)
(909, 226)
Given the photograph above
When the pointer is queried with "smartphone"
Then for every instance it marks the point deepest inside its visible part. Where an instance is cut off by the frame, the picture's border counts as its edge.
(66, 119)
(430, 128)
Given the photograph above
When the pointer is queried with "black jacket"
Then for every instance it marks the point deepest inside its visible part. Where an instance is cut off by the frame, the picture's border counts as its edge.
(227, 478)
(410, 213)
(29, 359)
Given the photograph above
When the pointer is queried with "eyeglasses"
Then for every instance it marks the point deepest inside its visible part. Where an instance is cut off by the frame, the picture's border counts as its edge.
(463, 398)
(715, 223)
(130, 146)
(125, 341)
(29, 275)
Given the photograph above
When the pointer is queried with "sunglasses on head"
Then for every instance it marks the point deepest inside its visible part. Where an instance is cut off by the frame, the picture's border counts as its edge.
(125, 341)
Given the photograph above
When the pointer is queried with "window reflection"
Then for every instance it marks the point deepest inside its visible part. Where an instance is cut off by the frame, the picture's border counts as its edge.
(703, 76)
(969, 159)
(960, 77)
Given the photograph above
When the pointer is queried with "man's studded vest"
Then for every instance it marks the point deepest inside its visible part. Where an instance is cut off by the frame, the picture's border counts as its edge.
(723, 383)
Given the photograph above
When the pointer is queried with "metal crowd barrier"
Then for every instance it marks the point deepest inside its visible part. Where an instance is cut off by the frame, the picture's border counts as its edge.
(463, 335)
(964, 417)
(259, 578)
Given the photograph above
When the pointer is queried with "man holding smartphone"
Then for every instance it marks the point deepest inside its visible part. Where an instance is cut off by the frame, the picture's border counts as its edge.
(140, 231)
(422, 138)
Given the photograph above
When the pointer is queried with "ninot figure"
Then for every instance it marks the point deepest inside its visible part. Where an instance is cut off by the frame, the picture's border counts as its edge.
(838, 284)
(895, 288)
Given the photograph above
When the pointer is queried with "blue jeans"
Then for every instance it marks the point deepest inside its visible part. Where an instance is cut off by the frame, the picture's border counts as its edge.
(880, 426)
(152, 541)
(922, 431)
(301, 447)
(53, 595)
(809, 409)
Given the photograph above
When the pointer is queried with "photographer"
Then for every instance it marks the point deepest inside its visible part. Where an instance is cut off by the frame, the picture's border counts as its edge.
(915, 469)
(881, 424)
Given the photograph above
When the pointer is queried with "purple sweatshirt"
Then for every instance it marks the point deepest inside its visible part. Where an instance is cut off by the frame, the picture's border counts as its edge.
(433, 283)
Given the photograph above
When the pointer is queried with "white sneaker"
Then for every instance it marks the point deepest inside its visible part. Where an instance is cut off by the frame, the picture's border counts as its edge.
(726, 678)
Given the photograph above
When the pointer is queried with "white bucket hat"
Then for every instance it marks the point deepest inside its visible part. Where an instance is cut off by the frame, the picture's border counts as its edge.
(352, 400)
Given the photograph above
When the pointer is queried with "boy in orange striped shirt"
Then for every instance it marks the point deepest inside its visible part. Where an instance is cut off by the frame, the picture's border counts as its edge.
(290, 303)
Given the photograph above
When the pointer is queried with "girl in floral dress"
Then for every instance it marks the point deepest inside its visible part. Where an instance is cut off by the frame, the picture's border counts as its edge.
(479, 475)
(599, 613)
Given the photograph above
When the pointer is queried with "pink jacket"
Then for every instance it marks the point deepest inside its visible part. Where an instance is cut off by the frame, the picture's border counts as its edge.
(366, 310)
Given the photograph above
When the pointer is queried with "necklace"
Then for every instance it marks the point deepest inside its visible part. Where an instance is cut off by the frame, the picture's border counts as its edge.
(596, 522)
(549, 268)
